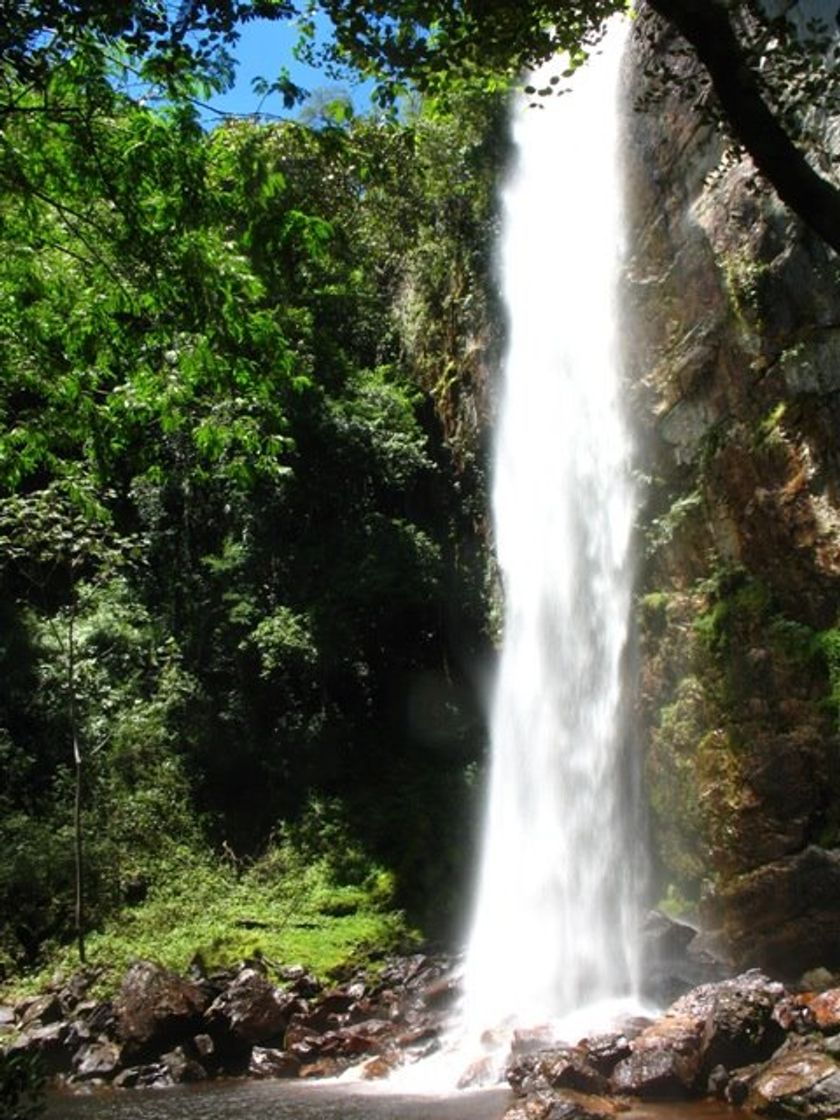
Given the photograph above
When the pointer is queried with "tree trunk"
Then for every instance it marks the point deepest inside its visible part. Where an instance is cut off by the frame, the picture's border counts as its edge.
(706, 25)
(77, 762)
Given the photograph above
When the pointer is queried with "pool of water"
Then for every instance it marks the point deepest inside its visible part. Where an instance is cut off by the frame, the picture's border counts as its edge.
(289, 1100)
(275, 1100)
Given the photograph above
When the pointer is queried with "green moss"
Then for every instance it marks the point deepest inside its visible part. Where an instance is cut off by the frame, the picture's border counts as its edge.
(743, 277)
(769, 429)
(827, 645)
(738, 600)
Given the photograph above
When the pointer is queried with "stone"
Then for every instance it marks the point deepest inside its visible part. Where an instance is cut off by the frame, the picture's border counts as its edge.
(567, 1105)
(100, 1018)
(156, 1009)
(818, 980)
(252, 1010)
(324, 1067)
(182, 1068)
(204, 1046)
(266, 1062)
(42, 1010)
(824, 1010)
(560, 1067)
(479, 1074)
(528, 1040)
(728, 1024)
(674, 960)
(49, 1043)
(99, 1059)
(605, 1051)
(803, 1082)
(655, 1075)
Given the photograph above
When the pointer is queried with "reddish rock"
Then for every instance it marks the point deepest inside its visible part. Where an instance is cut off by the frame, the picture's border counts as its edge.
(567, 1105)
(728, 1024)
(605, 1051)
(380, 1067)
(800, 1082)
(324, 1067)
(825, 1010)
(531, 1039)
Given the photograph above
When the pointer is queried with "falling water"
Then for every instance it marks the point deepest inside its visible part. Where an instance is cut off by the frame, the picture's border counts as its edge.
(553, 928)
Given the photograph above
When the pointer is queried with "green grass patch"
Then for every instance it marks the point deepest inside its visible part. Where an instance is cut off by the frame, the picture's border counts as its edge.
(290, 907)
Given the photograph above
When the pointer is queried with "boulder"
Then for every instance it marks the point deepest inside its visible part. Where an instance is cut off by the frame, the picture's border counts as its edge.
(324, 1067)
(653, 1074)
(825, 1010)
(252, 1010)
(605, 1051)
(156, 1009)
(728, 1024)
(480, 1073)
(563, 1067)
(266, 1062)
(100, 1060)
(567, 1105)
(50, 1043)
(674, 959)
(798, 1082)
(182, 1067)
(42, 1010)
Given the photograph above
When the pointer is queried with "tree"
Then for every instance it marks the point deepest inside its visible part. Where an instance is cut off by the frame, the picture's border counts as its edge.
(55, 536)
(756, 64)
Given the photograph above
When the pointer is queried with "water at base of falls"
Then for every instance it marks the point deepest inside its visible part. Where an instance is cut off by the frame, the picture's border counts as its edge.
(554, 928)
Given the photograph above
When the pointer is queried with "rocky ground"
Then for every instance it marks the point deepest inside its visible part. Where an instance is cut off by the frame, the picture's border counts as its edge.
(749, 1040)
(163, 1029)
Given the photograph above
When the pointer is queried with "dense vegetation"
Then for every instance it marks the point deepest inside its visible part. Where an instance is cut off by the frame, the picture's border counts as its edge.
(243, 600)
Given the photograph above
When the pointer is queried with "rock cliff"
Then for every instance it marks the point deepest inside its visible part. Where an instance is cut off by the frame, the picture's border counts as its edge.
(732, 323)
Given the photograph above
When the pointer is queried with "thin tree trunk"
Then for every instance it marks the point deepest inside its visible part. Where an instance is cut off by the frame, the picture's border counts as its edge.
(706, 25)
(77, 761)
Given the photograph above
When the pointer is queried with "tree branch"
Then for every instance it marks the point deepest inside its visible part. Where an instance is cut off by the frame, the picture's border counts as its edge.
(706, 25)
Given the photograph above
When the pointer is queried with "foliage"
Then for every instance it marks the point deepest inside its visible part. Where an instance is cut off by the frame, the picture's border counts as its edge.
(224, 471)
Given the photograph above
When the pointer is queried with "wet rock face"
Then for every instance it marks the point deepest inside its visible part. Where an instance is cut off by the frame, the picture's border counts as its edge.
(732, 322)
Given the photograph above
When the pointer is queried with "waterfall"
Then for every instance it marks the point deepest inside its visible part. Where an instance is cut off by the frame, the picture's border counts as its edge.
(554, 924)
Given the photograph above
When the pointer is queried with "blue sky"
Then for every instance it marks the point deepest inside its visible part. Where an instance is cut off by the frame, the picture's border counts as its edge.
(264, 48)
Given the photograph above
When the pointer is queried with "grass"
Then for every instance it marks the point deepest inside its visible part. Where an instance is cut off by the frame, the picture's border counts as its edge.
(286, 908)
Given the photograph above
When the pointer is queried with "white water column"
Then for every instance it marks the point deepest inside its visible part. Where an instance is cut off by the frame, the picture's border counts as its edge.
(554, 924)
